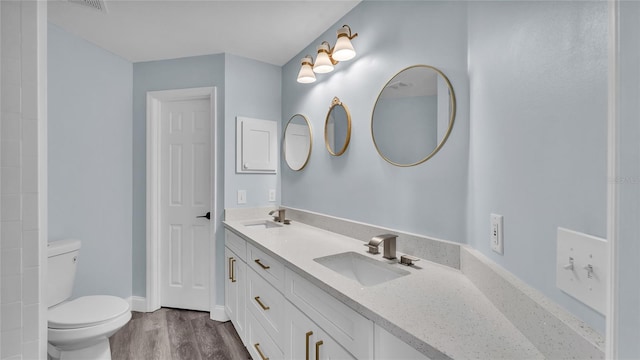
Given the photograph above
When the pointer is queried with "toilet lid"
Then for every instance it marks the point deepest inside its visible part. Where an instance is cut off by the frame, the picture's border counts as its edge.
(86, 311)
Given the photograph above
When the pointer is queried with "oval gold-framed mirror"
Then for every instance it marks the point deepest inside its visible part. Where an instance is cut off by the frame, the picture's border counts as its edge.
(297, 142)
(413, 115)
(337, 128)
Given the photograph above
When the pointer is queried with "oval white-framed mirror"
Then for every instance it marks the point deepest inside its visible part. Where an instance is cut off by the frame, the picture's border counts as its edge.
(297, 142)
(413, 115)
(337, 128)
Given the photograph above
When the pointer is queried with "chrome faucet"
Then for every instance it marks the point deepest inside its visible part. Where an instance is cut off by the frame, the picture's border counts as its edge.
(279, 217)
(389, 245)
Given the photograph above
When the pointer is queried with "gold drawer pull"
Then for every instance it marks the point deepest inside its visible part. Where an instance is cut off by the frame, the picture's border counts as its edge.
(233, 271)
(309, 333)
(230, 268)
(257, 346)
(318, 349)
(261, 304)
(261, 264)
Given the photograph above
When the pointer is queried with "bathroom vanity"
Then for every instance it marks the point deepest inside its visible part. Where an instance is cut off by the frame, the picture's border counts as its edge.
(289, 296)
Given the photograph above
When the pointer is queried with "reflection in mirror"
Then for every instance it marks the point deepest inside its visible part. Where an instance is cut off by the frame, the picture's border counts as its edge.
(297, 142)
(413, 115)
(337, 128)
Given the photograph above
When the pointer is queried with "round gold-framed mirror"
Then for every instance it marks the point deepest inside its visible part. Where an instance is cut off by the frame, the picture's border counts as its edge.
(413, 115)
(297, 142)
(337, 128)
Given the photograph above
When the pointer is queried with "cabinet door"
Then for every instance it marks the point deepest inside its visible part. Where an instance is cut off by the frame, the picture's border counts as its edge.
(266, 304)
(350, 329)
(259, 343)
(234, 291)
(256, 145)
(305, 340)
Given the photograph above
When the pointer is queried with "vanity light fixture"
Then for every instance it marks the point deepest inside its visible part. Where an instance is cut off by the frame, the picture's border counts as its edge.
(306, 74)
(328, 57)
(324, 62)
(343, 50)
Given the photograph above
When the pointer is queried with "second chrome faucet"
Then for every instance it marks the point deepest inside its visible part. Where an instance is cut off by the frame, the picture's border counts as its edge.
(389, 246)
(280, 217)
(389, 249)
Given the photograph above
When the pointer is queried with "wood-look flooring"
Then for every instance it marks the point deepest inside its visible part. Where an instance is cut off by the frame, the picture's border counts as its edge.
(174, 334)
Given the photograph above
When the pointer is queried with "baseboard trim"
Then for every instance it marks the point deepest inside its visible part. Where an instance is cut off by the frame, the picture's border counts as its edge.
(138, 303)
(218, 313)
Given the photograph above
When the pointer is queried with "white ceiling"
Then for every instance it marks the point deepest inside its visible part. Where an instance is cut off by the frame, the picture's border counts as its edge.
(145, 30)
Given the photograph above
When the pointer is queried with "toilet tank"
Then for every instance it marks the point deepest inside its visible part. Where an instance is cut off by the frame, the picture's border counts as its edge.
(62, 262)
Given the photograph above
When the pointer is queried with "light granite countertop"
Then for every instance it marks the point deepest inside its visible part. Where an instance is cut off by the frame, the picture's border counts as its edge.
(436, 309)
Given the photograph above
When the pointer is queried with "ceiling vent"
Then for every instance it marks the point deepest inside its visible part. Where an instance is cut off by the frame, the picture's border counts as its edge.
(91, 4)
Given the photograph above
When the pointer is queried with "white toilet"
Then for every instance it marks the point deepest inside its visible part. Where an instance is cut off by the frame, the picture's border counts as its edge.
(80, 328)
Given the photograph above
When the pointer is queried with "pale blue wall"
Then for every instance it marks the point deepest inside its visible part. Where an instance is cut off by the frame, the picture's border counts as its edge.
(200, 71)
(90, 168)
(253, 90)
(629, 181)
(533, 149)
(429, 199)
(538, 78)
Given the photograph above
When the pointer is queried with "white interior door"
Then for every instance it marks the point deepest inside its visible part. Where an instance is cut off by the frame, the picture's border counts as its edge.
(185, 194)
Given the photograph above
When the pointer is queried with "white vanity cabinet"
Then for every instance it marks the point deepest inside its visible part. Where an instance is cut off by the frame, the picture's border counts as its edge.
(265, 265)
(235, 282)
(260, 344)
(281, 315)
(350, 329)
(267, 306)
(306, 340)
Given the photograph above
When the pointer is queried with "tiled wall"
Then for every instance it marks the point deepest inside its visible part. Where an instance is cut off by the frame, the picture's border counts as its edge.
(21, 333)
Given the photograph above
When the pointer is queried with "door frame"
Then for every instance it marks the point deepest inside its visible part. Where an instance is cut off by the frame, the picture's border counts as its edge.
(154, 104)
(612, 322)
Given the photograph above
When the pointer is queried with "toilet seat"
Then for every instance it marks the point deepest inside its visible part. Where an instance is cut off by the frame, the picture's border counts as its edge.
(86, 311)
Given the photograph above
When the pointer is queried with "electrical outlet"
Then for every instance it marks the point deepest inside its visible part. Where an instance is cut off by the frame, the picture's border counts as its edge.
(272, 195)
(242, 196)
(496, 236)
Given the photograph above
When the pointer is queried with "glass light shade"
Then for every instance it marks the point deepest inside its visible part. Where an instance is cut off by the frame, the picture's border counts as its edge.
(306, 75)
(323, 63)
(344, 50)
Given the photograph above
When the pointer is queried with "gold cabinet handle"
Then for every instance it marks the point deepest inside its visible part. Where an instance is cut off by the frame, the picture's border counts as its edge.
(230, 268)
(233, 270)
(264, 307)
(261, 264)
(257, 346)
(318, 349)
(309, 333)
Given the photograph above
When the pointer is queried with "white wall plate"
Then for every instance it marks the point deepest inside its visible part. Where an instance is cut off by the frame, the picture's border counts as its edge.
(581, 268)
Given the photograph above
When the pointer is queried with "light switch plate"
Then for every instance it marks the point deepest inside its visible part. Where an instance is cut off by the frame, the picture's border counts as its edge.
(581, 268)
(242, 196)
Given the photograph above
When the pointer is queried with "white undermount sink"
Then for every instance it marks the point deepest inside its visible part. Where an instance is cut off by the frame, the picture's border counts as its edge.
(363, 269)
(262, 224)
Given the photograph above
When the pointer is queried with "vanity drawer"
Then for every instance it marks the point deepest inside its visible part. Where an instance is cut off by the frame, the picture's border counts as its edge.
(259, 344)
(265, 265)
(236, 244)
(267, 306)
(350, 329)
